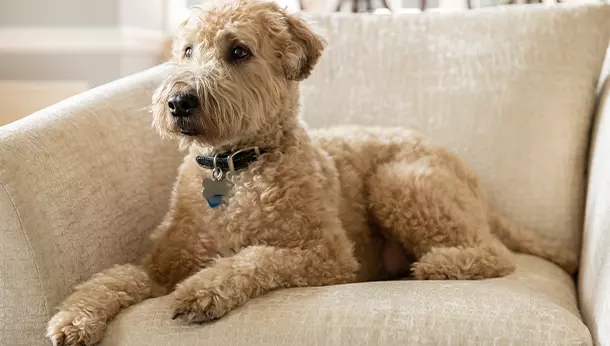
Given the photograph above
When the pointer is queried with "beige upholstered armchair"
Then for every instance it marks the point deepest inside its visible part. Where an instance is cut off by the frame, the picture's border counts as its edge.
(517, 92)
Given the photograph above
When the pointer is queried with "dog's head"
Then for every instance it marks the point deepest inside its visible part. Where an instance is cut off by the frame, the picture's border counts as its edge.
(235, 70)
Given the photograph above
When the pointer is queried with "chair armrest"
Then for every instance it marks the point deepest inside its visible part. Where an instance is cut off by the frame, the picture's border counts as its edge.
(594, 276)
(81, 185)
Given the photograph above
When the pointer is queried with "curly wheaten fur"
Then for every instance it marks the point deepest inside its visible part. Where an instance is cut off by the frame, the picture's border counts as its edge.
(328, 207)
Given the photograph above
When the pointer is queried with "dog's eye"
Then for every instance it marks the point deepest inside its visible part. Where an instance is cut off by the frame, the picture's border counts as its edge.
(238, 53)
(188, 52)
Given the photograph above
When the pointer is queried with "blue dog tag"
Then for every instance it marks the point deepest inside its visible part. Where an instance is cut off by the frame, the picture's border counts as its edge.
(216, 192)
(215, 201)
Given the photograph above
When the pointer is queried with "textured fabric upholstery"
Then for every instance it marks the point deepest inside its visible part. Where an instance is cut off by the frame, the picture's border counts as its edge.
(511, 91)
(535, 306)
(594, 282)
(82, 183)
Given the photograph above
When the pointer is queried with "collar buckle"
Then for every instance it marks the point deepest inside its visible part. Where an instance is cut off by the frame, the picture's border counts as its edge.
(230, 158)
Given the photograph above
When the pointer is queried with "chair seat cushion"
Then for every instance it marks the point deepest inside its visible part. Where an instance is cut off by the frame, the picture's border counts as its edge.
(536, 305)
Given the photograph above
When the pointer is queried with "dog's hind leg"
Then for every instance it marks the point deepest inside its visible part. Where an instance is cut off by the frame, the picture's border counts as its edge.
(437, 214)
(84, 314)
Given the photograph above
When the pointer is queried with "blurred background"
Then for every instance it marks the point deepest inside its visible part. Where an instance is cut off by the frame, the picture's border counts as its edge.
(52, 49)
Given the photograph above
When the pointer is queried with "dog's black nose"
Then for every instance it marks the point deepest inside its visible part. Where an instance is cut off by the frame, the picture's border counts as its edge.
(182, 105)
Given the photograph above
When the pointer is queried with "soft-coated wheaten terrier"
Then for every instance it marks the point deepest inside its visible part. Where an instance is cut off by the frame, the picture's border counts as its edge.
(282, 207)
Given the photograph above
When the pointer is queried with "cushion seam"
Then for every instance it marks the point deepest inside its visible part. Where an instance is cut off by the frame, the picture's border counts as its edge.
(31, 249)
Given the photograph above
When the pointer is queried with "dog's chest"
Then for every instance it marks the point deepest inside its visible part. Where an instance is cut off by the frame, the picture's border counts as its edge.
(275, 206)
(240, 220)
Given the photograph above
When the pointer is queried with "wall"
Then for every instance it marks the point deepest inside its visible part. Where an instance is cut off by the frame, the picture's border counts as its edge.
(68, 46)
(91, 40)
(58, 13)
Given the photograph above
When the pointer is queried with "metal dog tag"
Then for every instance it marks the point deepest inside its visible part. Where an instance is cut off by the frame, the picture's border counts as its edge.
(216, 192)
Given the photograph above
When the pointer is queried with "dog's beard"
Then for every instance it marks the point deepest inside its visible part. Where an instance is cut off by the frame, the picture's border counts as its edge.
(201, 128)
(186, 126)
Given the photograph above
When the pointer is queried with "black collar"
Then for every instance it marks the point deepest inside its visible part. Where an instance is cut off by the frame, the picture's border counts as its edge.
(239, 159)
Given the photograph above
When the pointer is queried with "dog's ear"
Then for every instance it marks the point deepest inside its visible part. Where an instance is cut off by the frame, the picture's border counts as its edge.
(304, 50)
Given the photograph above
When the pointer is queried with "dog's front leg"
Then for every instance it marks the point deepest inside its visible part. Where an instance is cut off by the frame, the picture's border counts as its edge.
(232, 281)
(84, 314)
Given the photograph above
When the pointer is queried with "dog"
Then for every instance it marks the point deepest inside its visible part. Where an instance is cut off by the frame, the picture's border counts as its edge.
(283, 206)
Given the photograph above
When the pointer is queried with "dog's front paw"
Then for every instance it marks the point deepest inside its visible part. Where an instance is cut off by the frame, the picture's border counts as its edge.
(70, 328)
(198, 306)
